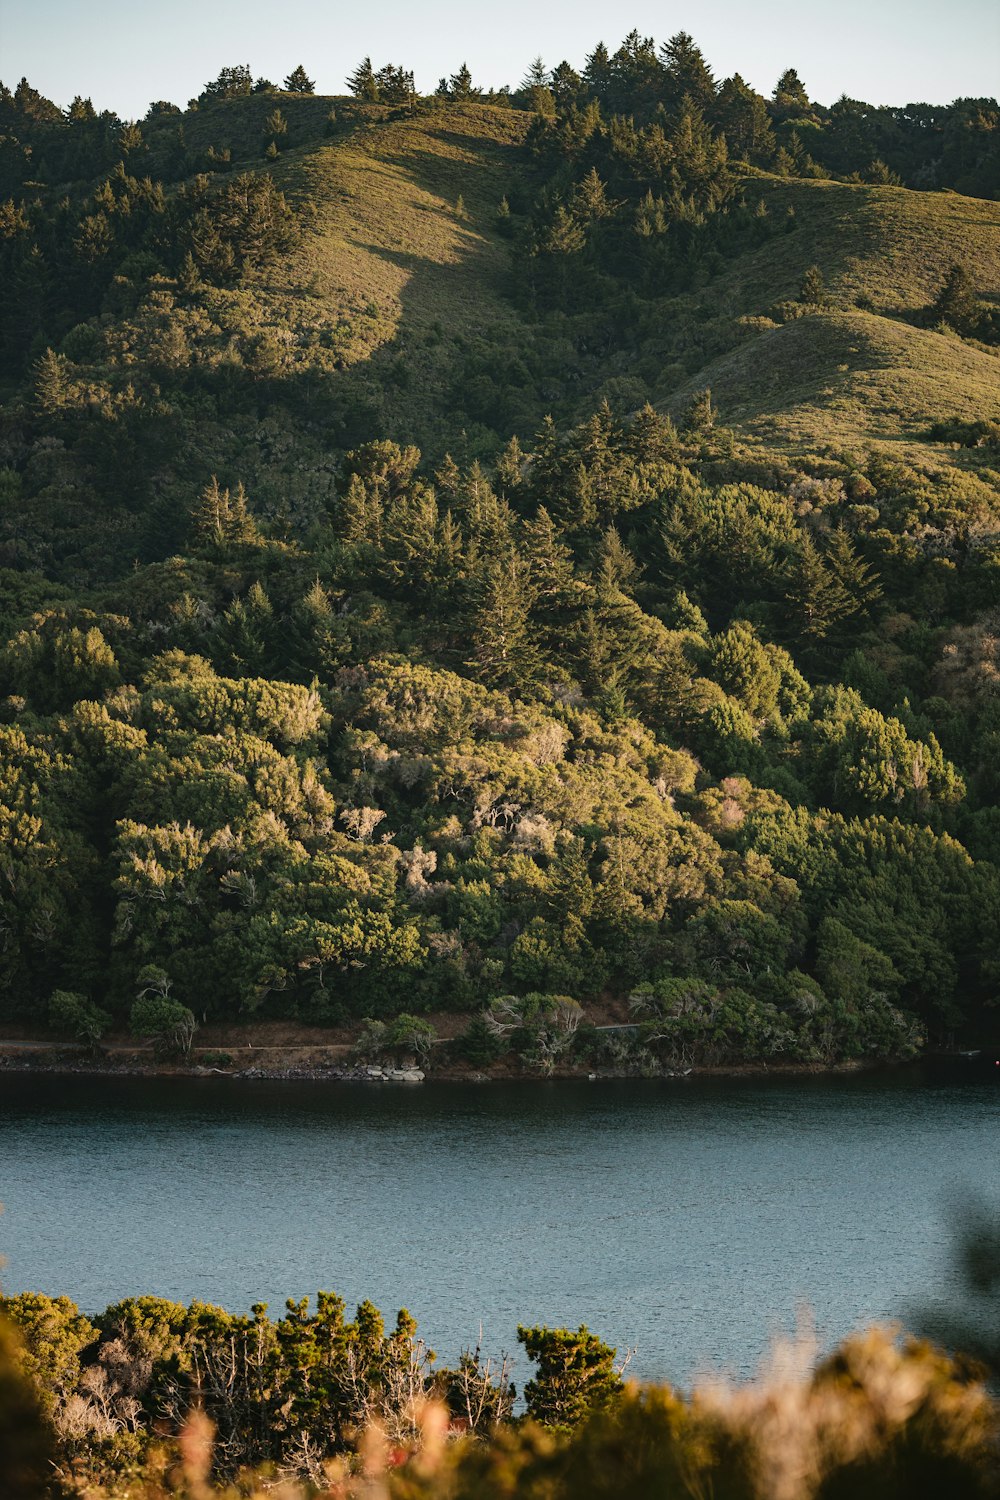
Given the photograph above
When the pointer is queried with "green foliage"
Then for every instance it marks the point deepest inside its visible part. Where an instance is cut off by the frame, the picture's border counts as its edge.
(474, 703)
(576, 1374)
(26, 1437)
(84, 1020)
(298, 82)
(169, 1024)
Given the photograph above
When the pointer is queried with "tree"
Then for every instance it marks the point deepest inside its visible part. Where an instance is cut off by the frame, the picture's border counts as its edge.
(812, 292)
(69, 1011)
(395, 85)
(298, 82)
(232, 83)
(699, 418)
(817, 600)
(956, 304)
(743, 118)
(155, 1014)
(576, 1374)
(362, 81)
(220, 519)
(686, 72)
(51, 382)
(790, 90)
(460, 84)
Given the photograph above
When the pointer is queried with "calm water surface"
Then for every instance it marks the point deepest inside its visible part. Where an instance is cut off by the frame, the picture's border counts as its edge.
(689, 1219)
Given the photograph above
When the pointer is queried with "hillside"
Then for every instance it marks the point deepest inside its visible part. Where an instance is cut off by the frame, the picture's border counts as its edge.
(396, 627)
(399, 278)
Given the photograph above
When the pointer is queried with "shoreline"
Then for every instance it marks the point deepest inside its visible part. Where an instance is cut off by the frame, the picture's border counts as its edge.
(135, 1066)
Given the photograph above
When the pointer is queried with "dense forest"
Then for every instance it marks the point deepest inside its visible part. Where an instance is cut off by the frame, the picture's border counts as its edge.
(493, 553)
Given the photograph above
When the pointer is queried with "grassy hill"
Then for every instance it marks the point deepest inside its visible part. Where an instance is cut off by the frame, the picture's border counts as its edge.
(398, 313)
(403, 271)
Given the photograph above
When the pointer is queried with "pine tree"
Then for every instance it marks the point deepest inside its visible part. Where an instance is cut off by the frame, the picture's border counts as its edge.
(219, 518)
(617, 570)
(742, 116)
(460, 84)
(549, 559)
(245, 635)
(597, 71)
(241, 528)
(700, 415)
(504, 649)
(510, 467)
(856, 578)
(590, 199)
(652, 437)
(362, 81)
(812, 292)
(298, 82)
(51, 384)
(790, 90)
(686, 73)
(816, 599)
(956, 304)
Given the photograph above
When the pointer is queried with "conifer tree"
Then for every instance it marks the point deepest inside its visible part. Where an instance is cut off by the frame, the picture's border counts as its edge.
(816, 599)
(504, 649)
(812, 292)
(686, 73)
(790, 90)
(510, 468)
(956, 303)
(51, 384)
(700, 415)
(362, 81)
(742, 116)
(856, 578)
(460, 84)
(298, 82)
(597, 70)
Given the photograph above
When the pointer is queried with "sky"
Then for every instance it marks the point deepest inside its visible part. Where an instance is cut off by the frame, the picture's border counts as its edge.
(124, 54)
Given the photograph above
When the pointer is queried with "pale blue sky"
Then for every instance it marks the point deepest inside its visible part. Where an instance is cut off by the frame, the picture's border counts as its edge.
(124, 54)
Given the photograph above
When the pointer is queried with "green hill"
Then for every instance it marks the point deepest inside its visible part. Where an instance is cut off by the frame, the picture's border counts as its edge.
(402, 269)
(378, 647)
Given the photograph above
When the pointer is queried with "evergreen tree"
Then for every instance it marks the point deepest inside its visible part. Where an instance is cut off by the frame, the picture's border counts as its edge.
(686, 73)
(790, 91)
(742, 116)
(51, 383)
(298, 82)
(362, 81)
(812, 292)
(956, 304)
(460, 84)
(597, 71)
(504, 649)
(857, 580)
(232, 83)
(576, 1374)
(699, 418)
(817, 600)
(590, 199)
(219, 518)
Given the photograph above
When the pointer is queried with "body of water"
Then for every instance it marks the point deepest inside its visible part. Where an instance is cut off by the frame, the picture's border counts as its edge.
(689, 1219)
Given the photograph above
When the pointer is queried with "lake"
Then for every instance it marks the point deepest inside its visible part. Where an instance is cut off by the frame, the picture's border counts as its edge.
(689, 1219)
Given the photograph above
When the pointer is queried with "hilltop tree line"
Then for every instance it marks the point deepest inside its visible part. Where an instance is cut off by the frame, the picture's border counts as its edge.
(919, 144)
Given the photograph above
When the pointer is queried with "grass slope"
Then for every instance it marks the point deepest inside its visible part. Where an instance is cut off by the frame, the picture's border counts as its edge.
(401, 268)
(861, 373)
(850, 379)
